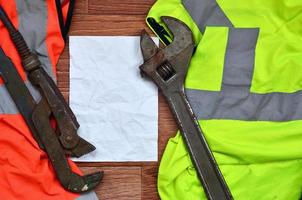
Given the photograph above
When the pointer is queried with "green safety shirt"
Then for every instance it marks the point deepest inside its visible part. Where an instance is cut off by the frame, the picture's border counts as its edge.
(245, 87)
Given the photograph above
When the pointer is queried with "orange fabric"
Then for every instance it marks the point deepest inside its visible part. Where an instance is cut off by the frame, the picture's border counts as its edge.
(55, 43)
(65, 6)
(25, 171)
(5, 43)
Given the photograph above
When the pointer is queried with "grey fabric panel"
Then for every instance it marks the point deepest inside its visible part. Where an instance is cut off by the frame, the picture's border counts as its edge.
(237, 105)
(88, 196)
(33, 91)
(32, 16)
(7, 105)
(206, 13)
(240, 57)
(235, 101)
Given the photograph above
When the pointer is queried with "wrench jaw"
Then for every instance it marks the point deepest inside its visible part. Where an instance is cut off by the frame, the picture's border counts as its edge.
(168, 67)
(148, 47)
(179, 52)
(80, 184)
(182, 35)
(55, 152)
(83, 147)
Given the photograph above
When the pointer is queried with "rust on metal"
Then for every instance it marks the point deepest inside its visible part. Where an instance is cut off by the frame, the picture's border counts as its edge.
(56, 143)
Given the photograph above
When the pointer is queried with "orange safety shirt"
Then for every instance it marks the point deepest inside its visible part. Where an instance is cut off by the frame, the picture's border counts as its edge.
(25, 171)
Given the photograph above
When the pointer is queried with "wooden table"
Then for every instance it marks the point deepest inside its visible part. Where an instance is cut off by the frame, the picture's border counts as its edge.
(127, 180)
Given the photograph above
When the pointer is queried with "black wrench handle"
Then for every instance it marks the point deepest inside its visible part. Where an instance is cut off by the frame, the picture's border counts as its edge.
(200, 153)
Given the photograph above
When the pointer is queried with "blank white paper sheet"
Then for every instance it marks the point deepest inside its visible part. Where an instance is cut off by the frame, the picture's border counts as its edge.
(117, 109)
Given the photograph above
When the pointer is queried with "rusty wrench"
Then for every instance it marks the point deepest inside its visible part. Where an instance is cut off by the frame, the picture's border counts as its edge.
(168, 68)
(65, 118)
(36, 116)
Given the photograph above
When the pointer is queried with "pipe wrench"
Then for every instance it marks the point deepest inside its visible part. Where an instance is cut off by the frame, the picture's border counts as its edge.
(36, 116)
(56, 143)
(66, 121)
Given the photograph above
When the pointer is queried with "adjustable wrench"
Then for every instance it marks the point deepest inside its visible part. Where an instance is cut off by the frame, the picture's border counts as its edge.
(168, 68)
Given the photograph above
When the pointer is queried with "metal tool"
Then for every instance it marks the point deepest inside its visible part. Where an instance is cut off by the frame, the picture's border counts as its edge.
(37, 119)
(65, 118)
(38, 115)
(168, 68)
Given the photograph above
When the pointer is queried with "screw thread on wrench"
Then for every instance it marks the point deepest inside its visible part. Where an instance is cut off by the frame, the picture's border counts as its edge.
(29, 60)
(166, 71)
(20, 44)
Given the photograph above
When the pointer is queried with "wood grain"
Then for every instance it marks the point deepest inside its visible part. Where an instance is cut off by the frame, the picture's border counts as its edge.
(112, 25)
(123, 183)
(81, 7)
(126, 7)
(149, 179)
(125, 180)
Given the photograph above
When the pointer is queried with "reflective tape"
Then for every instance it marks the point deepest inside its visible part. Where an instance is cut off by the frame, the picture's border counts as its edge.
(32, 17)
(238, 105)
(239, 58)
(7, 105)
(235, 101)
(206, 13)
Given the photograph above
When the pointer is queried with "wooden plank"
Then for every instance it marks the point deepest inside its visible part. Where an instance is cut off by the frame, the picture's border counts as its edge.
(65, 53)
(81, 7)
(63, 65)
(66, 96)
(120, 183)
(149, 180)
(115, 164)
(124, 180)
(63, 82)
(112, 25)
(120, 7)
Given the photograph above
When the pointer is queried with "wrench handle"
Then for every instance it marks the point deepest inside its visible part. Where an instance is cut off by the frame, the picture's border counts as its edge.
(202, 158)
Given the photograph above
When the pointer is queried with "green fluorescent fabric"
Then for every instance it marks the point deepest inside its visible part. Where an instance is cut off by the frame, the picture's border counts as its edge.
(259, 153)
(279, 23)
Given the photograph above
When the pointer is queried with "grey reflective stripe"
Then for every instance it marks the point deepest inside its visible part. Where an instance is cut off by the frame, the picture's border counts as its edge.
(240, 58)
(34, 92)
(235, 101)
(233, 104)
(7, 105)
(88, 196)
(206, 13)
(32, 18)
